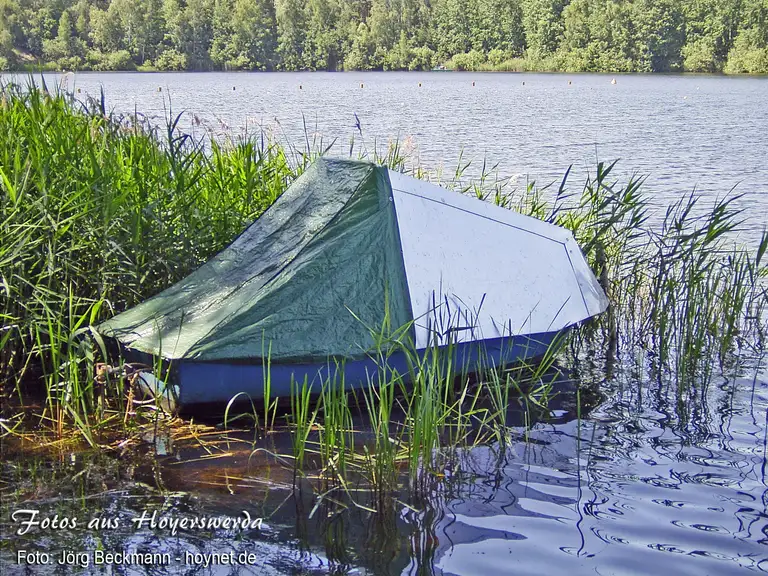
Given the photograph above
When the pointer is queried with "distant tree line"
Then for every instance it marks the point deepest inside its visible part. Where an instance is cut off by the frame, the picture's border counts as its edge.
(567, 35)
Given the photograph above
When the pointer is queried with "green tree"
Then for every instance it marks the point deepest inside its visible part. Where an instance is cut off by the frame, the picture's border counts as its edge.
(415, 18)
(136, 26)
(289, 15)
(384, 27)
(63, 47)
(661, 34)
(455, 22)
(321, 43)
(749, 53)
(543, 25)
(40, 24)
(710, 31)
(360, 54)
(176, 29)
(106, 29)
(244, 34)
(8, 31)
(590, 35)
(399, 56)
(224, 52)
(499, 26)
(598, 36)
(198, 25)
(81, 12)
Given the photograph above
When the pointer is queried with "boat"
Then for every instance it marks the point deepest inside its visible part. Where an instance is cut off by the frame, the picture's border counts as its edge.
(351, 257)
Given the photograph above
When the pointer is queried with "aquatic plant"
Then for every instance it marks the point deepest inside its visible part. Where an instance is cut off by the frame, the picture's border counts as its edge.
(100, 212)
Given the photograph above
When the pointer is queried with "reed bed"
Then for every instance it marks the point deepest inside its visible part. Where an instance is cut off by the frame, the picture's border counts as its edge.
(100, 212)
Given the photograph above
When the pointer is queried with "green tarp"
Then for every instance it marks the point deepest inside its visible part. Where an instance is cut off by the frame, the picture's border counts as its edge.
(303, 282)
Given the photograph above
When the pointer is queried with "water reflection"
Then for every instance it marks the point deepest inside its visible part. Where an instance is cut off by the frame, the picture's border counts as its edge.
(642, 484)
(632, 489)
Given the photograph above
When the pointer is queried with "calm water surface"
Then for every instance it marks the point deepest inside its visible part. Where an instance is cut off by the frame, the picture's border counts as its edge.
(708, 133)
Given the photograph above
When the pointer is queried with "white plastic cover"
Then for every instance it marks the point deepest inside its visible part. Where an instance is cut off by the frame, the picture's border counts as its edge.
(477, 271)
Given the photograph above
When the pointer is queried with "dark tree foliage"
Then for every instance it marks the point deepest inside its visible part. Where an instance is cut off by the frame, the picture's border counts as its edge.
(570, 35)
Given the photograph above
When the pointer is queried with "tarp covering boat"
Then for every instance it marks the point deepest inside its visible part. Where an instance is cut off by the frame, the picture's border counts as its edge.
(348, 245)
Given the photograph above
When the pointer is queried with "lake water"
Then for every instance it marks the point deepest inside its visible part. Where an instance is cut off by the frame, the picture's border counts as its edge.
(708, 133)
(647, 483)
(652, 480)
(634, 489)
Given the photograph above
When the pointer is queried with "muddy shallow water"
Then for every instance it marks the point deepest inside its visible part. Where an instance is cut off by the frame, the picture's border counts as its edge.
(649, 481)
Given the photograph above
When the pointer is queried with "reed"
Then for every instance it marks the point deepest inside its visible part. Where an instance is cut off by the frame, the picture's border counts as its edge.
(301, 423)
(100, 212)
(382, 454)
(336, 435)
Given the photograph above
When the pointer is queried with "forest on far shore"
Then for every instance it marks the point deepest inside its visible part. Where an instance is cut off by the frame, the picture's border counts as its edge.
(728, 36)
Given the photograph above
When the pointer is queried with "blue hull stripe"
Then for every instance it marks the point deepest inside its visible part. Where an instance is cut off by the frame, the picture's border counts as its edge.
(208, 382)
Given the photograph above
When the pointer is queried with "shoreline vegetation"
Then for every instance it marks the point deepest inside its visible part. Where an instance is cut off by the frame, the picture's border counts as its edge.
(99, 212)
(714, 36)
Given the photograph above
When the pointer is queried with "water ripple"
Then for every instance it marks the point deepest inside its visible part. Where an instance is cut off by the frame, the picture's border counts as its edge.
(626, 493)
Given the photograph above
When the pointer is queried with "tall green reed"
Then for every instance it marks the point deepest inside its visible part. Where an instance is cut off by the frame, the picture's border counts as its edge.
(100, 212)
